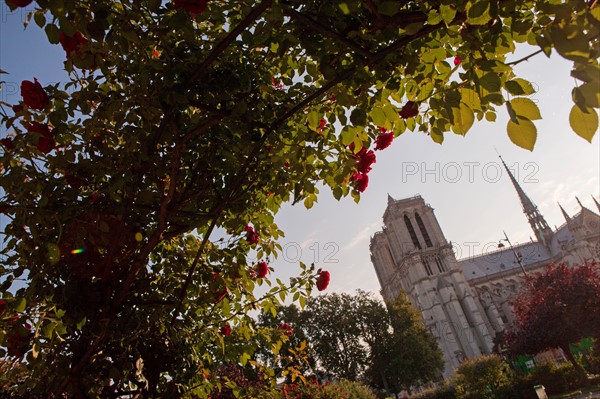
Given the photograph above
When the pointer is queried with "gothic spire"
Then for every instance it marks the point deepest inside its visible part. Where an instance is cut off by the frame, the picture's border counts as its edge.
(596, 202)
(565, 214)
(536, 220)
(579, 202)
(390, 199)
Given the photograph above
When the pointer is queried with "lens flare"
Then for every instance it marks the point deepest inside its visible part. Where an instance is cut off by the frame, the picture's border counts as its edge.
(78, 251)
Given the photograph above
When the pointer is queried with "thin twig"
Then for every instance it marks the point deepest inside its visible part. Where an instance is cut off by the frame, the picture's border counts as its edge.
(525, 58)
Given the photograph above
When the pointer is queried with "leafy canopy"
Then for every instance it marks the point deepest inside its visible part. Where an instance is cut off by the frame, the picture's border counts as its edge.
(188, 117)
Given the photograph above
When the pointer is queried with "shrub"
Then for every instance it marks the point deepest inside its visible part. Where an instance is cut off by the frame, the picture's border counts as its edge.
(487, 376)
(354, 390)
(556, 379)
(312, 390)
(445, 391)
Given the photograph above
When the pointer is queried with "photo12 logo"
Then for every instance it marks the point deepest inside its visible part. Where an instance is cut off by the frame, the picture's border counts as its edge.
(471, 171)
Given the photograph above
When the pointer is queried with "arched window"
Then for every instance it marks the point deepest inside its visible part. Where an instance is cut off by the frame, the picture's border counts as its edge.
(423, 231)
(427, 268)
(440, 265)
(411, 231)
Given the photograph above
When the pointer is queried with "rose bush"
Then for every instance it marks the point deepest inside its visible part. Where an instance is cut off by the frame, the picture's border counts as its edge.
(127, 190)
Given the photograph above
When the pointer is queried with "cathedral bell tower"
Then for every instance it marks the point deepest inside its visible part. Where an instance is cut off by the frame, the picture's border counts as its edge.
(411, 254)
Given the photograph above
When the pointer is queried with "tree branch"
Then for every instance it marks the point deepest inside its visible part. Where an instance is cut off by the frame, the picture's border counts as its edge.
(327, 32)
(230, 38)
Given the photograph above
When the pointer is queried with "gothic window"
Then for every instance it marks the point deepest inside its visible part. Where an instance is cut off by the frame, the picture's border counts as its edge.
(411, 231)
(423, 230)
(440, 265)
(427, 268)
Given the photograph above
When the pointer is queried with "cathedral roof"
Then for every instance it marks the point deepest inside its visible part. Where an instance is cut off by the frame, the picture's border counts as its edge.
(503, 260)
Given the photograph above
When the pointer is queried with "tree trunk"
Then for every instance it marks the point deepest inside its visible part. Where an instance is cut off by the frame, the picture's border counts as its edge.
(567, 351)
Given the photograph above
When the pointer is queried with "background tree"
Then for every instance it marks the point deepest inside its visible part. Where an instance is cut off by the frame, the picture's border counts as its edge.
(410, 355)
(356, 337)
(135, 192)
(556, 308)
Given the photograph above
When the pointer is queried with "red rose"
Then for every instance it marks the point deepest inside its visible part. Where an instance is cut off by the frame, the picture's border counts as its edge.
(323, 280)
(17, 108)
(251, 235)
(287, 329)
(72, 43)
(262, 270)
(34, 95)
(191, 6)
(364, 160)
(409, 110)
(457, 60)
(384, 140)
(362, 181)
(19, 3)
(2, 304)
(226, 330)
(7, 142)
(46, 142)
(18, 340)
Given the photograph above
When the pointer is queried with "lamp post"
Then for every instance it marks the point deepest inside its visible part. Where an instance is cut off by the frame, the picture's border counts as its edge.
(517, 256)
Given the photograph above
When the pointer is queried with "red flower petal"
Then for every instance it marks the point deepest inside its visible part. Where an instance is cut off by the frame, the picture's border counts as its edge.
(34, 95)
(323, 280)
(262, 270)
(384, 140)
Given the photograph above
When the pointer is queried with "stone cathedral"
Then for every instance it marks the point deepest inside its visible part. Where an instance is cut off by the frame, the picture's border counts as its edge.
(464, 303)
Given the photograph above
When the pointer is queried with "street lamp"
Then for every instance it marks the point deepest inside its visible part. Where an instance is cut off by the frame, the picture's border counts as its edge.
(519, 257)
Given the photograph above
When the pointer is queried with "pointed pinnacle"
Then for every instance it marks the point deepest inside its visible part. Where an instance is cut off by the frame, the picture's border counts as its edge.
(565, 214)
(596, 202)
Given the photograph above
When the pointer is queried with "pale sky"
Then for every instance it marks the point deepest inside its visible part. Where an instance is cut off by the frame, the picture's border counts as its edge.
(473, 198)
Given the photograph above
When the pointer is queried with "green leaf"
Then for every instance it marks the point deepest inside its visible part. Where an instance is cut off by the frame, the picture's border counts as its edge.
(81, 323)
(587, 95)
(389, 8)
(490, 116)
(53, 33)
(470, 97)
(358, 117)
(525, 108)
(523, 133)
(478, 12)
(448, 12)
(491, 82)
(378, 116)
(575, 48)
(313, 120)
(519, 87)
(20, 305)
(39, 19)
(463, 119)
(244, 358)
(437, 136)
(585, 124)
(344, 8)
